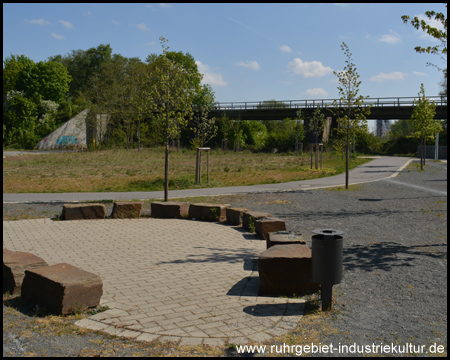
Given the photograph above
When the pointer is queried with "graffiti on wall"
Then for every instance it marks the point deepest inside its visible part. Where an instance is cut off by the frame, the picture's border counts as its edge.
(67, 140)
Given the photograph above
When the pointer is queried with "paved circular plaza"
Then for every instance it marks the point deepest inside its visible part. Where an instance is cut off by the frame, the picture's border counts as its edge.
(164, 278)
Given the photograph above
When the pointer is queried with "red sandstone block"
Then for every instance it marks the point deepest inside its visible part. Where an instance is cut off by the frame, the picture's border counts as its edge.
(235, 215)
(286, 270)
(62, 288)
(126, 210)
(266, 225)
(169, 210)
(83, 211)
(249, 218)
(14, 265)
(208, 212)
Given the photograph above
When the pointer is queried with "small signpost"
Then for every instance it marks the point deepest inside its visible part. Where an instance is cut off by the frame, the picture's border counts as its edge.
(198, 169)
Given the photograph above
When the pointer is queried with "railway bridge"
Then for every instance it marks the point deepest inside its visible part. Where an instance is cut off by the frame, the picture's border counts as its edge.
(381, 108)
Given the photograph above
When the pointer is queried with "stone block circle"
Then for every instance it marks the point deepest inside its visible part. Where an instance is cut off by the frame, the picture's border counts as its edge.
(283, 270)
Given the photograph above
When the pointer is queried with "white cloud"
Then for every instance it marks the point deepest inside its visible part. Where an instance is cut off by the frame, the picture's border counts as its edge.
(209, 77)
(392, 38)
(151, 43)
(59, 37)
(394, 75)
(342, 5)
(165, 5)
(316, 92)
(142, 27)
(115, 22)
(40, 21)
(249, 64)
(308, 69)
(417, 73)
(285, 48)
(66, 24)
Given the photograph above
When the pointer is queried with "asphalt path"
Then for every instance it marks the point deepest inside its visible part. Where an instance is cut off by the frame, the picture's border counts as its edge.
(379, 168)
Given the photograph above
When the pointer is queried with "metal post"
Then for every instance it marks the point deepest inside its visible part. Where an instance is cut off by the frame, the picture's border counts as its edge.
(321, 152)
(200, 168)
(207, 166)
(196, 166)
(436, 149)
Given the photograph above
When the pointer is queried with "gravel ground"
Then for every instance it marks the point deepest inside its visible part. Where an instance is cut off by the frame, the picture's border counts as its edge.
(394, 289)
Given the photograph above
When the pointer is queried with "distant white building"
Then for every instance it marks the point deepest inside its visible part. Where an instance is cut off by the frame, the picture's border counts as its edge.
(383, 127)
(74, 132)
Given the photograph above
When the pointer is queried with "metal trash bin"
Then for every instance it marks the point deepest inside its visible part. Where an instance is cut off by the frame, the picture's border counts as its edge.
(326, 260)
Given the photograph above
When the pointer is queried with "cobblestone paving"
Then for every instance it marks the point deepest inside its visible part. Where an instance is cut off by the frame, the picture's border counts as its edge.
(163, 278)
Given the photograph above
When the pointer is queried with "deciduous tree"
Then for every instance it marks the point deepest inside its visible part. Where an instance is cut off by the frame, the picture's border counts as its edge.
(350, 108)
(424, 123)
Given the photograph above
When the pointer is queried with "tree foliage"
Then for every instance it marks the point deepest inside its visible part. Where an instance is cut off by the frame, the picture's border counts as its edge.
(32, 93)
(423, 119)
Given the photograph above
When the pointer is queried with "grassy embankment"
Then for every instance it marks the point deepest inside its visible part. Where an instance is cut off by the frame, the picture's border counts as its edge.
(130, 170)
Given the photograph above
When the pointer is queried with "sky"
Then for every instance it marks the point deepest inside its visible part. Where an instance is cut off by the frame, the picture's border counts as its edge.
(246, 52)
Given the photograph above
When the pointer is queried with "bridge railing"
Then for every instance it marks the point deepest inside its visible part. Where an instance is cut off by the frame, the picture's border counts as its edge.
(324, 103)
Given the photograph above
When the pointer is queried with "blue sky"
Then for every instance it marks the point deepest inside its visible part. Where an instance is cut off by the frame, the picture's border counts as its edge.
(247, 52)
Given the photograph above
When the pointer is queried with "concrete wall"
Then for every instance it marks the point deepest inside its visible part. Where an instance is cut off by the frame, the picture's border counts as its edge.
(73, 132)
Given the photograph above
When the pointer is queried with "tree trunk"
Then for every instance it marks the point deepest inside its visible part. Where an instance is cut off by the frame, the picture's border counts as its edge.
(347, 153)
(166, 162)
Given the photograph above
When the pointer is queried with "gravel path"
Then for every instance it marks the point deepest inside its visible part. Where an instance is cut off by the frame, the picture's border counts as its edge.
(394, 289)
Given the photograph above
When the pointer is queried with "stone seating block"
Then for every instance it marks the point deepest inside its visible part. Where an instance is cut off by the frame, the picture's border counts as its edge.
(286, 270)
(284, 238)
(266, 225)
(169, 210)
(126, 210)
(249, 217)
(235, 215)
(14, 265)
(83, 211)
(62, 288)
(208, 212)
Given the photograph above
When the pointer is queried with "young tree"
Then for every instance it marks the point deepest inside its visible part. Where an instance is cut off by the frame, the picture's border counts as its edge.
(204, 129)
(423, 119)
(350, 110)
(172, 98)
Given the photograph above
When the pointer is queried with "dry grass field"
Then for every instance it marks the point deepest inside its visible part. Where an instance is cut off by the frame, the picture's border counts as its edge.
(130, 170)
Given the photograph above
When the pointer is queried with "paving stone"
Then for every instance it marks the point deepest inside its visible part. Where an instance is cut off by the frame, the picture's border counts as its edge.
(129, 334)
(214, 341)
(191, 341)
(14, 265)
(91, 324)
(147, 337)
